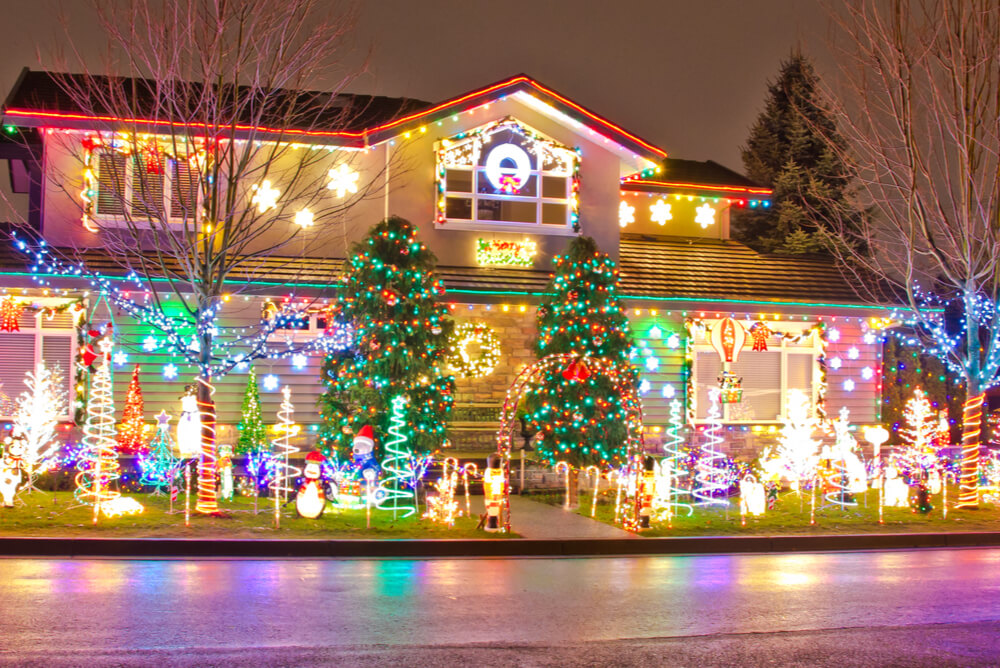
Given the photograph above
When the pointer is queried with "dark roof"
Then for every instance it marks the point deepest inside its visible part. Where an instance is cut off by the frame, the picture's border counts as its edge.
(709, 269)
(706, 178)
(672, 269)
(37, 98)
(46, 91)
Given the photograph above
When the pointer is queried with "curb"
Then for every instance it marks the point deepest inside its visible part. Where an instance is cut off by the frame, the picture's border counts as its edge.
(151, 548)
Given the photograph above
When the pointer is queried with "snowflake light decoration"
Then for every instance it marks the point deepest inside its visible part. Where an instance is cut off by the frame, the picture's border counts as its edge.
(660, 212)
(304, 219)
(270, 382)
(121, 357)
(626, 214)
(170, 371)
(704, 216)
(149, 344)
(343, 180)
(264, 196)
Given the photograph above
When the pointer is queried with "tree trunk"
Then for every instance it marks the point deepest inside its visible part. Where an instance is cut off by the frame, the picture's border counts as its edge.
(207, 473)
(972, 424)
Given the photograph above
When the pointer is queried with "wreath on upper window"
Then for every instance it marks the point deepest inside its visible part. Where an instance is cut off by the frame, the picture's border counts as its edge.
(473, 350)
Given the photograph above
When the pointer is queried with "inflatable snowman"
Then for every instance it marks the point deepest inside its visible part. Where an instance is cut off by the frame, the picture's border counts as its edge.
(189, 426)
(311, 499)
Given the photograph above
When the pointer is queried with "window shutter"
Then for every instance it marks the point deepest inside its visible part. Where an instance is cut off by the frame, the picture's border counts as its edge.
(800, 373)
(183, 190)
(761, 374)
(110, 184)
(708, 369)
(17, 357)
(147, 190)
(57, 351)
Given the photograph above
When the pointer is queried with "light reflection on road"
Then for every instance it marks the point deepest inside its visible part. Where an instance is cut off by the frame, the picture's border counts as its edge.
(164, 604)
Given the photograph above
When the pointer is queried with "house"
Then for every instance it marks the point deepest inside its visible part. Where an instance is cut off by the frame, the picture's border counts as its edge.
(498, 180)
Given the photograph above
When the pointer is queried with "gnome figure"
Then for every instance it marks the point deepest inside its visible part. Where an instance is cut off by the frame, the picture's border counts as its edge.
(311, 499)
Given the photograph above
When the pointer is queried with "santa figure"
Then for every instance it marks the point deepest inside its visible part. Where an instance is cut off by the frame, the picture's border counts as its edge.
(311, 499)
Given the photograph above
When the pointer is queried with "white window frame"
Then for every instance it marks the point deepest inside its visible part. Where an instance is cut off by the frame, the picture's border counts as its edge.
(119, 220)
(312, 331)
(782, 346)
(69, 375)
(538, 227)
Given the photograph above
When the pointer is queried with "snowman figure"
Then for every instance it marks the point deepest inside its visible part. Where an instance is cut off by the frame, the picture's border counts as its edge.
(311, 499)
(10, 471)
(189, 426)
(225, 468)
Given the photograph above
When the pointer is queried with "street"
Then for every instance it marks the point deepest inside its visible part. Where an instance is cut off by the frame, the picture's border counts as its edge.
(927, 608)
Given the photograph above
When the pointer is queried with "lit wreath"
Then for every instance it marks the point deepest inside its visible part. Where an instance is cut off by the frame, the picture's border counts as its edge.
(464, 365)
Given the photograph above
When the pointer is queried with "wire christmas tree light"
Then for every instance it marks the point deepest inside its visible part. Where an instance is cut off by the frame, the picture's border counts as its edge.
(159, 466)
(670, 486)
(284, 473)
(397, 488)
(130, 436)
(919, 434)
(710, 477)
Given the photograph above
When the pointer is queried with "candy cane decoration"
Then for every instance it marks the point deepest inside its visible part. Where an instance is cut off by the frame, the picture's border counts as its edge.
(565, 466)
(597, 483)
(465, 475)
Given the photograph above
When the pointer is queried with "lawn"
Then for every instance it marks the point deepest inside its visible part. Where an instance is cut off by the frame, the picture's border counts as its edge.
(788, 519)
(46, 515)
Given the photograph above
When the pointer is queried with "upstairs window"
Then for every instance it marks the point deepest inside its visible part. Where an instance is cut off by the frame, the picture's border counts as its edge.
(507, 175)
(142, 184)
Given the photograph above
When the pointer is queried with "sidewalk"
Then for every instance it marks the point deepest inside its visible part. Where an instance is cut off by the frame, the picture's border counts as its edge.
(532, 519)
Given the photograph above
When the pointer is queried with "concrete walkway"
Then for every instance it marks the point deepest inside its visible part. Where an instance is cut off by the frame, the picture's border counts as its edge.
(532, 519)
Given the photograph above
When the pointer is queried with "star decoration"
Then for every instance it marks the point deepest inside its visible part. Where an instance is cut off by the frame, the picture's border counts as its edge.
(626, 214)
(705, 216)
(264, 196)
(660, 212)
(163, 419)
(343, 180)
(304, 218)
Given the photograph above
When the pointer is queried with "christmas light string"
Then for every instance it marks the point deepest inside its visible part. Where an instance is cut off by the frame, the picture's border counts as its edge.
(708, 477)
(395, 495)
(208, 476)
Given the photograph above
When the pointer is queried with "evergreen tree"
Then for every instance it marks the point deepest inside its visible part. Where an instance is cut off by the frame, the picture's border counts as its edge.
(253, 433)
(786, 152)
(130, 431)
(582, 420)
(390, 297)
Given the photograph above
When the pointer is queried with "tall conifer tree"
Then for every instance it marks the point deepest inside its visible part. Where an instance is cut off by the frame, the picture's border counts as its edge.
(786, 152)
(253, 433)
(390, 297)
(582, 421)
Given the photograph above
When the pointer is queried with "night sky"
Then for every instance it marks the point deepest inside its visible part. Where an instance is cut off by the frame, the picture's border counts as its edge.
(688, 76)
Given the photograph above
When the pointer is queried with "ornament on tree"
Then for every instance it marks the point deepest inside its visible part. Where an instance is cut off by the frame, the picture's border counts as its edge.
(576, 371)
(390, 297)
(131, 438)
(10, 315)
(311, 498)
(760, 333)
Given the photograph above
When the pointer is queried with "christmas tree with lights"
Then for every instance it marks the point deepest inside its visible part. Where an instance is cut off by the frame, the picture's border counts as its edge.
(580, 415)
(159, 466)
(98, 470)
(919, 434)
(253, 433)
(390, 296)
(130, 431)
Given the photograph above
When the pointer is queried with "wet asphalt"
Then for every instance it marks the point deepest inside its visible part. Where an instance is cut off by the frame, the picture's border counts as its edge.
(901, 608)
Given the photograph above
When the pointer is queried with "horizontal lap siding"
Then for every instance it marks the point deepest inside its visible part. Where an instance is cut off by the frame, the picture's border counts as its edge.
(863, 401)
